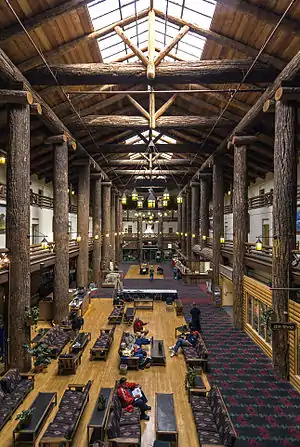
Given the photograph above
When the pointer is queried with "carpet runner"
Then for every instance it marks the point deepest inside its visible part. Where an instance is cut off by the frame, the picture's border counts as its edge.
(264, 411)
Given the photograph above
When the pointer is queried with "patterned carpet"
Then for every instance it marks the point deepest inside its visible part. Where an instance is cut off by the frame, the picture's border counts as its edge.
(264, 411)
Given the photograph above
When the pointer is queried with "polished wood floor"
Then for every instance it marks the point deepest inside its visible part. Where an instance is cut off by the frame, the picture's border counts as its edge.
(134, 273)
(156, 379)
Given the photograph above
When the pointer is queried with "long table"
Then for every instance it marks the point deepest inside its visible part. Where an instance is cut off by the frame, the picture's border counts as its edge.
(155, 294)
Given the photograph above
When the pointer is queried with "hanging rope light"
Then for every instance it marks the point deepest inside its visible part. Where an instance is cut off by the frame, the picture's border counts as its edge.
(134, 195)
(124, 199)
(166, 195)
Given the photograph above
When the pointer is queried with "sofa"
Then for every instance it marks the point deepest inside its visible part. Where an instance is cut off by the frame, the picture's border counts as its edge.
(132, 362)
(102, 345)
(14, 387)
(55, 340)
(122, 425)
(62, 430)
(213, 423)
(116, 315)
(196, 355)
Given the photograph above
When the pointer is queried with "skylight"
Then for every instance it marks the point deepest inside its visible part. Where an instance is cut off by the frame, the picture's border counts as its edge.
(106, 12)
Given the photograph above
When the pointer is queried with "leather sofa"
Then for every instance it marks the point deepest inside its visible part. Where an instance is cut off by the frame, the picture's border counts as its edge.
(14, 387)
(68, 416)
(123, 425)
(213, 423)
(56, 339)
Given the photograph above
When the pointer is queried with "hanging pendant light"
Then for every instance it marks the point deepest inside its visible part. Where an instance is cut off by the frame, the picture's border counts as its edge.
(222, 240)
(140, 203)
(151, 200)
(203, 237)
(165, 203)
(166, 195)
(134, 195)
(179, 199)
(258, 245)
(44, 243)
(124, 199)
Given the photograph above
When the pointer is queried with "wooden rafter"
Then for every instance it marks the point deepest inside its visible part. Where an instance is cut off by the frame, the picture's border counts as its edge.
(184, 30)
(165, 107)
(151, 45)
(139, 107)
(131, 45)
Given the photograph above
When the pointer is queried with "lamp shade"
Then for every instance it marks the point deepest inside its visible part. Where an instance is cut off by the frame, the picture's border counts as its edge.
(258, 245)
(166, 195)
(140, 203)
(165, 203)
(222, 239)
(124, 199)
(134, 195)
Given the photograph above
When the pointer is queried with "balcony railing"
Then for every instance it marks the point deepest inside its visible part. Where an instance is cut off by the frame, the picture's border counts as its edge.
(260, 201)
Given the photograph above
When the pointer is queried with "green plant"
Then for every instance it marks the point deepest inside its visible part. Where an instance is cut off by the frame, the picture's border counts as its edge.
(31, 314)
(101, 402)
(24, 417)
(27, 313)
(191, 376)
(41, 354)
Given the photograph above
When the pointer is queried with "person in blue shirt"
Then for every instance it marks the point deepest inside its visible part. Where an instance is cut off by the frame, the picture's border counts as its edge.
(189, 340)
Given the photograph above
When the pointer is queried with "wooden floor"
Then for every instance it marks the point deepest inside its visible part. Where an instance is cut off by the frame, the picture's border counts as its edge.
(134, 273)
(156, 379)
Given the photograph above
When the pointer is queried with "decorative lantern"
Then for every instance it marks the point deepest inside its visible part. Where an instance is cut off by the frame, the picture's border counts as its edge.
(258, 245)
(44, 243)
(124, 199)
(179, 199)
(222, 239)
(140, 203)
(165, 203)
(166, 195)
(78, 239)
(134, 195)
(151, 200)
(204, 237)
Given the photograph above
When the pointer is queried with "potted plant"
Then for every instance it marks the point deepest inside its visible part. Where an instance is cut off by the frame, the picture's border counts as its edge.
(31, 315)
(191, 377)
(28, 316)
(41, 355)
(101, 402)
(24, 418)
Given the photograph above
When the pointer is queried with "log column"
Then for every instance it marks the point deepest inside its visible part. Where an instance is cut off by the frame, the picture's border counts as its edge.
(195, 214)
(204, 211)
(106, 222)
(83, 205)
(179, 222)
(97, 216)
(140, 236)
(218, 220)
(183, 224)
(60, 227)
(240, 228)
(121, 229)
(284, 230)
(17, 233)
(160, 233)
(189, 224)
(113, 226)
(118, 229)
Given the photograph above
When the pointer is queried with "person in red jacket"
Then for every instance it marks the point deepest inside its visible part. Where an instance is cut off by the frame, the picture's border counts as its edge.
(138, 326)
(128, 401)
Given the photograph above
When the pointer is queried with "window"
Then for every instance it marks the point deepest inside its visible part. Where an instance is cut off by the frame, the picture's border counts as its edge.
(170, 230)
(130, 229)
(258, 317)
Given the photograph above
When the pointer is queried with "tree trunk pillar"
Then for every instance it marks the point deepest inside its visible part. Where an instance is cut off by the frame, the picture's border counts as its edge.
(184, 223)
(106, 223)
(60, 230)
(83, 204)
(118, 229)
(113, 225)
(218, 220)
(240, 230)
(140, 236)
(204, 211)
(195, 215)
(121, 229)
(97, 216)
(189, 224)
(179, 224)
(284, 227)
(17, 233)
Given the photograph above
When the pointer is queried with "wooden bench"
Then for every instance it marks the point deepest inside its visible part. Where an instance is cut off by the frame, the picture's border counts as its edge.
(158, 353)
(165, 421)
(68, 363)
(178, 308)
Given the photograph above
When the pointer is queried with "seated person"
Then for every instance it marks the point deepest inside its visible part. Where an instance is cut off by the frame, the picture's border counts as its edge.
(131, 395)
(140, 340)
(189, 340)
(125, 351)
(138, 326)
(144, 361)
(160, 270)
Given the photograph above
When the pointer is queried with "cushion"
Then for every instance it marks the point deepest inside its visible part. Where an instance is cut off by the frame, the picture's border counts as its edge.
(24, 386)
(2, 394)
(207, 437)
(130, 418)
(130, 431)
(12, 400)
(55, 430)
(113, 426)
(10, 380)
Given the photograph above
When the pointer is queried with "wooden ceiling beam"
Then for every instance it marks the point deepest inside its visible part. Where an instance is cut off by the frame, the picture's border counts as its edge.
(201, 71)
(224, 40)
(165, 122)
(131, 45)
(142, 148)
(261, 13)
(68, 46)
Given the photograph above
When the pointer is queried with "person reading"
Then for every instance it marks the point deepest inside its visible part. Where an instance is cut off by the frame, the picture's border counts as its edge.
(131, 395)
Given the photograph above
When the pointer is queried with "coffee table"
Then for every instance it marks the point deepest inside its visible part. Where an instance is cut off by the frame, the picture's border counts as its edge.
(158, 353)
(43, 404)
(95, 428)
(166, 426)
(143, 303)
(129, 315)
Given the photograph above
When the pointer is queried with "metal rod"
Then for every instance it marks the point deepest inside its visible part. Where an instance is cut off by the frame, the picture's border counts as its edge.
(144, 92)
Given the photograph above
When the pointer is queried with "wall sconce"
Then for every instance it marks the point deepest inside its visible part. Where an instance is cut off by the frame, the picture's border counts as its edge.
(78, 239)
(181, 234)
(186, 234)
(107, 235)
(116, 234)
(204, 237)
(96, 237)
(177, 233)
(222, 239)
(2, 160)
(44, 243)
(193, 235)
(258, 245)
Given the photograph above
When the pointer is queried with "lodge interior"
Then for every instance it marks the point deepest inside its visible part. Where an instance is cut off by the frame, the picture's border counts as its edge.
(141, 136)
